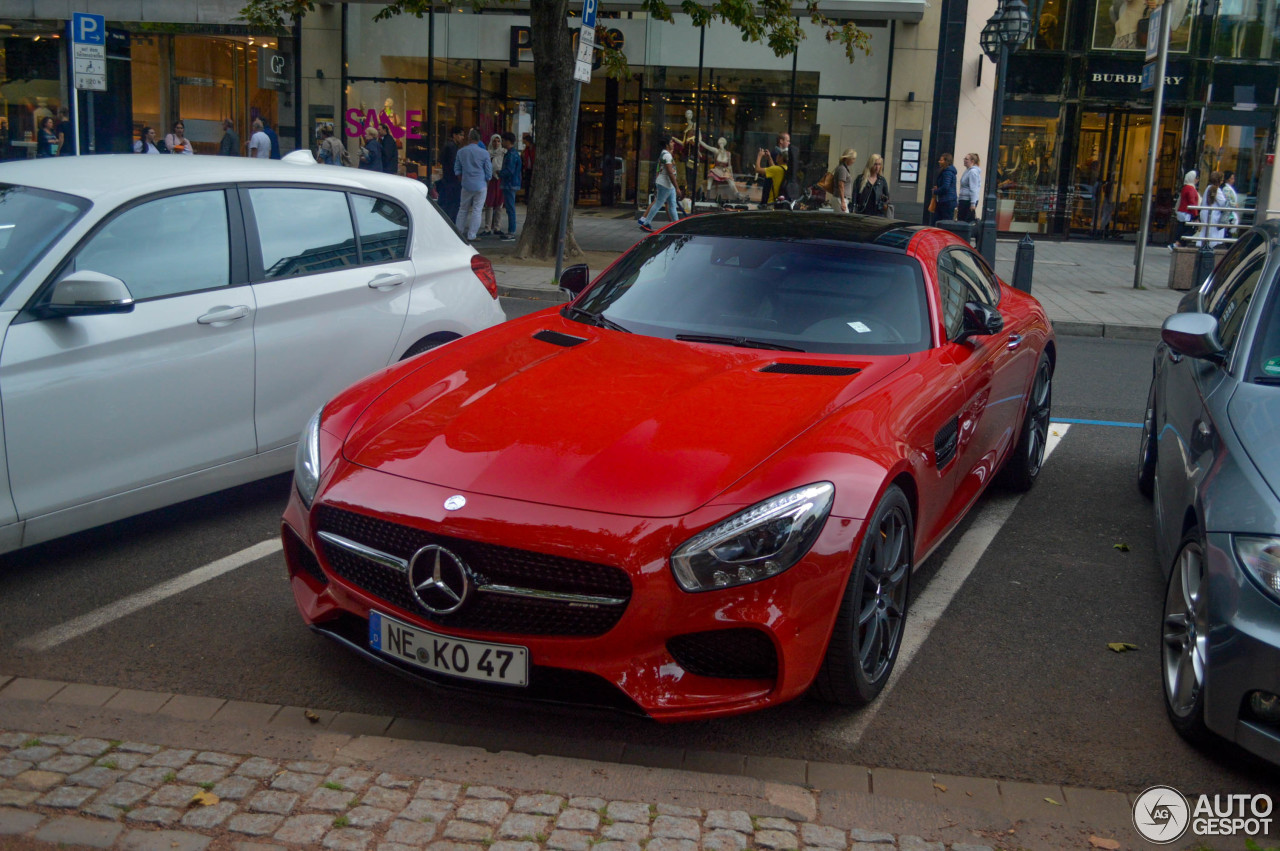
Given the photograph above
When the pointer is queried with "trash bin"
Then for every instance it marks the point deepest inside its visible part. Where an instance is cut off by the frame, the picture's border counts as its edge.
(964, 230)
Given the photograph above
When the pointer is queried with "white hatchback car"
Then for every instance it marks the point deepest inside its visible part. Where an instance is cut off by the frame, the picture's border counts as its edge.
(170, 323)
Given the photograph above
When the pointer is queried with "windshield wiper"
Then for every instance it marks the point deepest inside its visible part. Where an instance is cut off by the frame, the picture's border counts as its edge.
(744, 342)
(597, 319)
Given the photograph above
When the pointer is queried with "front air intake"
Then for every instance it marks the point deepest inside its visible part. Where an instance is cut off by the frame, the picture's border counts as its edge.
(555, 338)
(810, 369)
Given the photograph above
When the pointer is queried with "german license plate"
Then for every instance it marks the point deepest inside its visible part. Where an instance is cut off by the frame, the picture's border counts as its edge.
(507, 664)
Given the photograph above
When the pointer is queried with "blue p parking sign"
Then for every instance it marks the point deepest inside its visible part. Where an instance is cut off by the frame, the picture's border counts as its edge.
(88, 29)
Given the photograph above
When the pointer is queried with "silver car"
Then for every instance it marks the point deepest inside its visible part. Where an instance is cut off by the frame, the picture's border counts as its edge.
(1210, 458)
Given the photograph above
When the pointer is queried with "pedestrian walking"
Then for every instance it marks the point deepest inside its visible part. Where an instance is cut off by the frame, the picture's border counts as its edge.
(259, 142)
(844, 179)
(788, 156)
(1187, 198)
(229, 145)
(331, 151)
(665, 188)
(944, 190)
(474, 169)
(493, 194)
(1217, 219)
(450, 188)
(271, 137)
(176, 140)
(146, 143)
(970, 190)
(47, 141)
(66, 134)
(512, 165)
(371, 150)
(871, 190)
(390, 150)
(1233, 200)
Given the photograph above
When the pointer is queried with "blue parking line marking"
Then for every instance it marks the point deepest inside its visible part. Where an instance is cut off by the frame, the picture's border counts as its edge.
(1096, 422)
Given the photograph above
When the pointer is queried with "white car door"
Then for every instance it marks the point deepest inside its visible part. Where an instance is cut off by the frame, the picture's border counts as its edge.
(331, 302)
(96, 405)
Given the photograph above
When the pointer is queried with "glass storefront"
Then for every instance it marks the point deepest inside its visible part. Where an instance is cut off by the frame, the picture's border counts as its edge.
(701, 86)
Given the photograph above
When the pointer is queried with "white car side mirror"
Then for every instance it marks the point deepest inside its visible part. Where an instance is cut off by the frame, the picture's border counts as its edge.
(85, 293)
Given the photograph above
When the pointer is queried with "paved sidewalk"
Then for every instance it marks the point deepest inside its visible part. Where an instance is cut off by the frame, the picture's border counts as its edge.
(1086, 286)
(85, 765)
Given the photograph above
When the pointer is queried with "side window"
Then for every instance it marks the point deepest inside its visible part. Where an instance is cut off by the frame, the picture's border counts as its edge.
(383, 229)
(1213, 292)
(303, 231)
(954, 294)
(1232, 304)
(975, 273)
(167, 246)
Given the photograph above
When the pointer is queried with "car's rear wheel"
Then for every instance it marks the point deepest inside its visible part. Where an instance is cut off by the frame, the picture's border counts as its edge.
(868, 631)
(1023, 466)
(1147, 448)
(1184, 637)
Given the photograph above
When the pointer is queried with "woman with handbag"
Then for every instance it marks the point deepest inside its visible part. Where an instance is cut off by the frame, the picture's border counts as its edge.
(844, 179)
(871, 190)
(1189, 197)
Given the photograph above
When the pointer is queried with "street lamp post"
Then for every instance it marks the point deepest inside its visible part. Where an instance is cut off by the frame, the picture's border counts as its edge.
(1004, 33)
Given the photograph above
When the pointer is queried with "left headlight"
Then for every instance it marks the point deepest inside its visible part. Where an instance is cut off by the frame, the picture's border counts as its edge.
(306, 465)
(1261, 557)
(754, 544)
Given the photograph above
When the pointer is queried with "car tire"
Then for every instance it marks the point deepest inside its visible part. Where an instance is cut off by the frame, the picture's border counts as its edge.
(426, 344)
(1022, 468)
(1184, 636)
(1147, 448)
(873, 612)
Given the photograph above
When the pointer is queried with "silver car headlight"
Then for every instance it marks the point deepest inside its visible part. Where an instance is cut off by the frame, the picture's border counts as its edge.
(1261, 557)
(755, 544)
(306, 465)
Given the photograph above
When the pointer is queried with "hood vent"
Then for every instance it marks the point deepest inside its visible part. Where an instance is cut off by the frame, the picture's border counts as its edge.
(555, 338)
(810, 369)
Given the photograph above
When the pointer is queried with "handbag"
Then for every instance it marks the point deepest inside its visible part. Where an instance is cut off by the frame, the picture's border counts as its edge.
(888, 211)
(933, 204)
(827, 183)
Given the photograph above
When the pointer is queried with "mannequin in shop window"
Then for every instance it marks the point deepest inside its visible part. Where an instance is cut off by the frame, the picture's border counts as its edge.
(720, 184)
(1132, 18)
(686, 151)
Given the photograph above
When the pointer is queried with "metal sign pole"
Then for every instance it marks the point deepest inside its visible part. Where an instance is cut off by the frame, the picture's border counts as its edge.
(1162, 57)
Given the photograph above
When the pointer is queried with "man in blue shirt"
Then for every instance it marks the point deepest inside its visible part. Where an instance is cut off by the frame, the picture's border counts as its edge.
(510, 178)
(474, 167)
(275, 140)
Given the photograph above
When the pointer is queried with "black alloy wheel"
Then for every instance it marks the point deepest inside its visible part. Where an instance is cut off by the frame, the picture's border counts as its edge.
(868, 631)
(1022, 468)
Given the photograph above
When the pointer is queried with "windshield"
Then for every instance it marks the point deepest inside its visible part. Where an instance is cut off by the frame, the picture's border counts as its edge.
(30, 221)
(829, 297)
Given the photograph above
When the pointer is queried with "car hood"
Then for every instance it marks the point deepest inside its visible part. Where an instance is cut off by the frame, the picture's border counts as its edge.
(1254, 410)
(619, 423)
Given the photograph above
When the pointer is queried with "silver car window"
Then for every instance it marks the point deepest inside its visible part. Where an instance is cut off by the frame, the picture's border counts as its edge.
(383, 227)
(1232, 305)
(303, 231)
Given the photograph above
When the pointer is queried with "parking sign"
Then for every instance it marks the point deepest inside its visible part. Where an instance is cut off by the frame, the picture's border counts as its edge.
(89, 51)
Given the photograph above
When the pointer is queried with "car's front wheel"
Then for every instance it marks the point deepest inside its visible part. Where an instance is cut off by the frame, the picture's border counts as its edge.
(1147, 448)
(868, 631)
(1184, 637)
(1023, 466)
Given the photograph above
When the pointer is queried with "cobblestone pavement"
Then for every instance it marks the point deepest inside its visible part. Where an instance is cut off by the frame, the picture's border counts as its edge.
(83, 791)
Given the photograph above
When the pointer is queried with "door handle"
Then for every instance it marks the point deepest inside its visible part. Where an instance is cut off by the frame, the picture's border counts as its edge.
(223, 314)
(387, 280)
(1015, 340)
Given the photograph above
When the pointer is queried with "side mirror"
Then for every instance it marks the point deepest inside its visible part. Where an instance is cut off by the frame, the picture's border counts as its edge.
(1193, 334)
(980, 321)
(87, 293)
(574, 279)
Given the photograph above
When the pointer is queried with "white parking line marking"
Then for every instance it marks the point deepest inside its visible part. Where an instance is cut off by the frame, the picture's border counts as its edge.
(926, 610)
(51, 638)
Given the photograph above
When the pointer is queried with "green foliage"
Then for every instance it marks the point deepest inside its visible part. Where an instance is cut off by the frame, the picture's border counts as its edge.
(337, 787)
(169, 777)
(341, 821)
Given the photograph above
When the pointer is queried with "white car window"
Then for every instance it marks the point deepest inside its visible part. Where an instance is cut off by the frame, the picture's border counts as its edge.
(167, 246)
(303, 231)
(384, 229)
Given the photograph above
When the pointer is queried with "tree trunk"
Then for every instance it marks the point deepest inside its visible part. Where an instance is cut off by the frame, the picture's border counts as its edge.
(553, 60)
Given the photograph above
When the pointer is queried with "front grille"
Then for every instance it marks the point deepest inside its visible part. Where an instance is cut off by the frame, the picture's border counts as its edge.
(733, 654)
(491, 564)
(298, 553)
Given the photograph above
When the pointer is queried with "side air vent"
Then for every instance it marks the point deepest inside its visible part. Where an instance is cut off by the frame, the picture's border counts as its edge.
(810, 369)
(945, 443)
(557, 339)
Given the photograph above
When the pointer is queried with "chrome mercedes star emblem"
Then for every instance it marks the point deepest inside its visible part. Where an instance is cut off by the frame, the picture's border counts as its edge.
(439, 580)
(455, 502)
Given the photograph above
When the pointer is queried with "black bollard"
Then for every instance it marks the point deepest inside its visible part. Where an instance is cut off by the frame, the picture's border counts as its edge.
(1204, 265)
(1023, 262)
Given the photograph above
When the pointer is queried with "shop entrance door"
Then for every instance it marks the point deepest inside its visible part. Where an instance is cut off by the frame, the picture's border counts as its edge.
(1111, 169)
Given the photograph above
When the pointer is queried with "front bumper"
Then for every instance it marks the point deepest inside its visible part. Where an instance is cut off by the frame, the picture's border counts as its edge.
(625, 662)
(1243, 652)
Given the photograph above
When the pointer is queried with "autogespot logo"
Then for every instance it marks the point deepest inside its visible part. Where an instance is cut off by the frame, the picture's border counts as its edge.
(1161, 814)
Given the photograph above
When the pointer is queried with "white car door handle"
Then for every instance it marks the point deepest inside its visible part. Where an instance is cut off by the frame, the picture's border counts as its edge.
(223, 314)
(387, 280)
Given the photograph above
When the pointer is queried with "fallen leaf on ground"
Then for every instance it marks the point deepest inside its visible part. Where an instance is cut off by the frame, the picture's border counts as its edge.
(939, 787)
(1052, 801)
(1121, 646)
(310, 716)
(1124, 548)
(1107, 844)
(204, 799)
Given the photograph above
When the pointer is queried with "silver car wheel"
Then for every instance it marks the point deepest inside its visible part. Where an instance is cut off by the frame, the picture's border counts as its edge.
(1185, 635)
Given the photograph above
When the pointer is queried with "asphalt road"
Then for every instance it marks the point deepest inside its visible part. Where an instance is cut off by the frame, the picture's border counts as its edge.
(1015, 681)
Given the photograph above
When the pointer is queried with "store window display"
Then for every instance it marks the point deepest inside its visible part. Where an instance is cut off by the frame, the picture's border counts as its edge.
(1026, 174)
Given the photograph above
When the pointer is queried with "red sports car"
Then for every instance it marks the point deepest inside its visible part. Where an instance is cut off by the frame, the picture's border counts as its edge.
(698, 489)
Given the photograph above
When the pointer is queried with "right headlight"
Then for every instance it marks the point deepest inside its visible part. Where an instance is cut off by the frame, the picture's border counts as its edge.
(1261, 557)
(754, 544)
(306, 464)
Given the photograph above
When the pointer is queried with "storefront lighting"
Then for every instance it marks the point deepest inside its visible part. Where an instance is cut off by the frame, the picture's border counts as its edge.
(733, 101)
